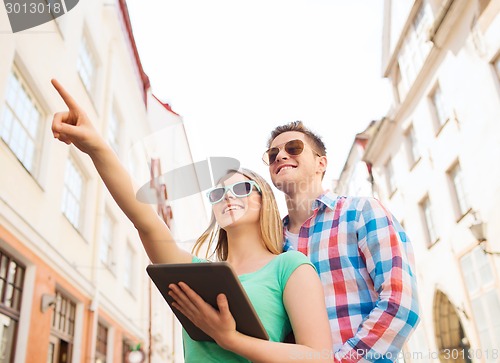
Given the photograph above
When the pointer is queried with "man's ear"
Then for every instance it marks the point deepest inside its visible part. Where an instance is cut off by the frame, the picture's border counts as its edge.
(322, 164)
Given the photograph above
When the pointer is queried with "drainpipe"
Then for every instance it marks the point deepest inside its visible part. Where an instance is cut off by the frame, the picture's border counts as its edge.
(100, 210)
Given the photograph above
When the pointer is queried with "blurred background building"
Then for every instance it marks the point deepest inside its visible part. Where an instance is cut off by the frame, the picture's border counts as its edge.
(73, 286)
(433, 160)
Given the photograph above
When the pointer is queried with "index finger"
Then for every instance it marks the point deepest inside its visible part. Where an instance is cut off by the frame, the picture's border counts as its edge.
(68, 100)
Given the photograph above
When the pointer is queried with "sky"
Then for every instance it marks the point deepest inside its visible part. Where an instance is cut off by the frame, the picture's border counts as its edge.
(236, 69)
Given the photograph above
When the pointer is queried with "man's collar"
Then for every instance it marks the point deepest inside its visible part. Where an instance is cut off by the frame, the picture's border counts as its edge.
(328, 199)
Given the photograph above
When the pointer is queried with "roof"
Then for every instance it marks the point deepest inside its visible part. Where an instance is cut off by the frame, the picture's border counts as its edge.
(166, 105)
(128, 26)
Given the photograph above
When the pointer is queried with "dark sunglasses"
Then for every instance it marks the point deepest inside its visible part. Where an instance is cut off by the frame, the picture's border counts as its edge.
(292, 147)
(240, 189)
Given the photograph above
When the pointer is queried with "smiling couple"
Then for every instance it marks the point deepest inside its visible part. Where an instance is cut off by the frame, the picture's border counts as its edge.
(346, 287)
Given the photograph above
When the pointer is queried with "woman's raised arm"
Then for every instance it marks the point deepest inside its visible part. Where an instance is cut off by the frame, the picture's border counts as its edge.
(74, 127)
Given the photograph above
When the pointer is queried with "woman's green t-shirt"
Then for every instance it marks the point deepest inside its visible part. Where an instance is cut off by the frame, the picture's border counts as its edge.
(264, 288)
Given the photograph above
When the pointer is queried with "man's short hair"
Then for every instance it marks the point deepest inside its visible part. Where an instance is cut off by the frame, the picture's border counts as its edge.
(298, 126)
(314, 139)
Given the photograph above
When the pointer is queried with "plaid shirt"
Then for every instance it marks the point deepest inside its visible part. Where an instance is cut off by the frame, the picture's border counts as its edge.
(365, 262)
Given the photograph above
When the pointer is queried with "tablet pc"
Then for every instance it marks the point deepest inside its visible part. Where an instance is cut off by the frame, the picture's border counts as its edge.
(208, 280)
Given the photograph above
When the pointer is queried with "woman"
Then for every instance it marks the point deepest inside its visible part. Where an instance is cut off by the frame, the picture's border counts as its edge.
(249, 239)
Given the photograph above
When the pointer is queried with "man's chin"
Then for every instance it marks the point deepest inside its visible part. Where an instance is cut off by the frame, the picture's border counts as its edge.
(286, 186)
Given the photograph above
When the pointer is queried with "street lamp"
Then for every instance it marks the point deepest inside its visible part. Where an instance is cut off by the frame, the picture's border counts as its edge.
(478, 230)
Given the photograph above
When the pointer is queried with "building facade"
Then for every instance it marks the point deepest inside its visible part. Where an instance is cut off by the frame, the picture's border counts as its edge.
(433, 161)
(73, 286)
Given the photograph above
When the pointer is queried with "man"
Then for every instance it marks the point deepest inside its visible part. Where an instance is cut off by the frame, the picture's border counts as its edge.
(360, 251)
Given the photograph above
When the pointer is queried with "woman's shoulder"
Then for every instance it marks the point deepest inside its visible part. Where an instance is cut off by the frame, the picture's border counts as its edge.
(197, 259)
(294, 257)
(288, 263)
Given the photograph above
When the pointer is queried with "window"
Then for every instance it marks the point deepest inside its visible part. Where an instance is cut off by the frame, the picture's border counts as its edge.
(399, 87)
(113, 131)
(62, 329)
(72, 194)
(101, 346)
(440, 110)
(11, 290)
(459, 194)
(428, 217)
(415, 47)
(483, 295)
(390, 177)
(87, 65)
(412, 149)
(128, 272)
(21, 122)
(106, 248)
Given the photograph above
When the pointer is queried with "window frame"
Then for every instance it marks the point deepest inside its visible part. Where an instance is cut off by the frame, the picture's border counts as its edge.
(416, 46)
(390, 177)
(128, 274)
(428, 220)
(109, 262)
(495, 63)
(7, 310)
(481, 291)
(79, 170)
(32, 165)
(440, 110)
(68, 318)
(101, 342)
(413, 152)
(89, 81)
(114, 121)
(458, 191)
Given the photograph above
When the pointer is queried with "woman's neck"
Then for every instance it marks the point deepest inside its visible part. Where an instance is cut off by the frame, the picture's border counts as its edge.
(246, 249)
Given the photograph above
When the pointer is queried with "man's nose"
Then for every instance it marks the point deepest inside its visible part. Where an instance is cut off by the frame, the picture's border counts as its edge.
(282, 155)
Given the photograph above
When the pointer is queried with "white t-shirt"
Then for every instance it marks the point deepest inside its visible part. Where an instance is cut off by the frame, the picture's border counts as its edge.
(293, 238)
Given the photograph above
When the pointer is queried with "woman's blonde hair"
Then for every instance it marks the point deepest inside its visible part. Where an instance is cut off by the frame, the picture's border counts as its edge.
(271, 227)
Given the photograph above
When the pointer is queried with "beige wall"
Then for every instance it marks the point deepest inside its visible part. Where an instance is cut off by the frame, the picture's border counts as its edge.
(460, 61)
(30, 201)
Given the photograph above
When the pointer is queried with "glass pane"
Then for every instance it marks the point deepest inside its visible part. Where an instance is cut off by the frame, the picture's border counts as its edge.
(72, 194)
(483, 266)
(438, 105)
(21, 122)
(3, 267)
(469, 274)
(7, 332)
(477, 309)
(8, 296)
(50, 354)
(6, 128)
(493, 304)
